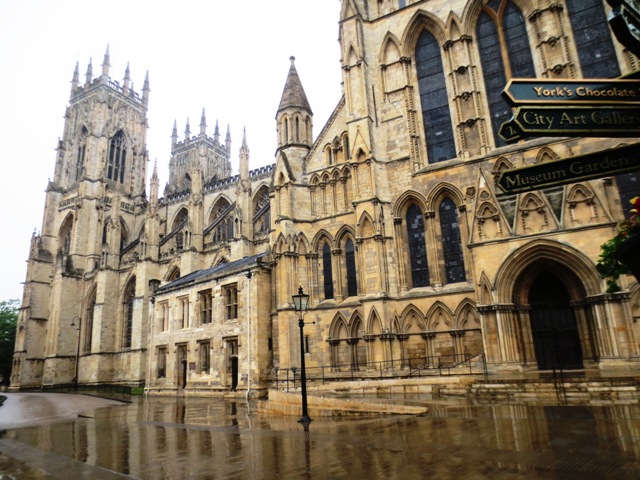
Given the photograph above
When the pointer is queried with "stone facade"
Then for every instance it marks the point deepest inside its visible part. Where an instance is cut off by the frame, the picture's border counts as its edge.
(390, 219)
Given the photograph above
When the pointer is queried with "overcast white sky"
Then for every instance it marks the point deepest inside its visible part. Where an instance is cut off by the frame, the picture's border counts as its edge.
(230, 57)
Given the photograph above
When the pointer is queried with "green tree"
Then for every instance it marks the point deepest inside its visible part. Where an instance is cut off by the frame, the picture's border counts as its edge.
(8, 322)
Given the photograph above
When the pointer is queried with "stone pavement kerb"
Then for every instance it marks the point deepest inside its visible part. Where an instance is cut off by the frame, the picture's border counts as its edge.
(27, 409)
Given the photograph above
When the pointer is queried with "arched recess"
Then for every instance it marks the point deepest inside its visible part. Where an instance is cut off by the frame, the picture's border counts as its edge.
(408, 197)
(421, 20)
(366, 226)
(302, 246)
(440, 340)
(412, 320)
(261, 211)
(322, 246)
(467, 322)
(411, 241)
(280, 245)
(390, 51)
(64, 235)
(451, 232)
(439, 318)
(87, 321)
(356, 341)
(504, 50)
(118, 157)
(81, 152)
(124, 234)
(410, 336)
(549, 252)
(128, 297)
(485, 289)
(338, 337)
(545, 154)
(345, 240)
(180, 218)
(173, 273)
(548, 283)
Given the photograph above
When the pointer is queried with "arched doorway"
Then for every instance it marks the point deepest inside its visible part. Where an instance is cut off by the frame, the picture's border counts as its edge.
(554, 329)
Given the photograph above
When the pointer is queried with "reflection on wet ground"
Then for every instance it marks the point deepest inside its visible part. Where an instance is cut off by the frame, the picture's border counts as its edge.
(168, 438)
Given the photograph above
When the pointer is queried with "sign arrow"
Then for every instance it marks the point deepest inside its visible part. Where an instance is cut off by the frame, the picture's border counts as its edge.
(532, 91)
(510, 132)
(556, 121)
(571, 170)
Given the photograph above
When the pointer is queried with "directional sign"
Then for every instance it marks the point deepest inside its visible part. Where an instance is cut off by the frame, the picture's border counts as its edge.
(555, 121)
(571, 170)
(625, 23)
(532, 91)
(510, 132)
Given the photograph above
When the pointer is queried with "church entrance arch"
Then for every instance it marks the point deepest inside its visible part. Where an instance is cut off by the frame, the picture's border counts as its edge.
(545, 311)
(554, 329)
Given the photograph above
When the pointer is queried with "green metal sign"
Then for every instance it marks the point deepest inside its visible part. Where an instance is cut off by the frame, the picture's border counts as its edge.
(532, 91)
(571, 170)
(556, 121)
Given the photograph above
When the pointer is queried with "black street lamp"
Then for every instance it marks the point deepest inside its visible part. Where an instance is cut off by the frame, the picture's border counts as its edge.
(73, 324)
(301, 302)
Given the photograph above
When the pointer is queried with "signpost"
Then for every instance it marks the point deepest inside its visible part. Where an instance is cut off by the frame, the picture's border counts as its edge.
(571, 170)
(557, 121)
(580, 108)
(561, 108)
(625, 23)
(533, 91)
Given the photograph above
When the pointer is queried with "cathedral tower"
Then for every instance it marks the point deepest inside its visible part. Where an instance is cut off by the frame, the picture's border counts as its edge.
(93, 210)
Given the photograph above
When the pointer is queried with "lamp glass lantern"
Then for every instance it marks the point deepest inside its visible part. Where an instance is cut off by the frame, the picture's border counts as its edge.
(301, 301)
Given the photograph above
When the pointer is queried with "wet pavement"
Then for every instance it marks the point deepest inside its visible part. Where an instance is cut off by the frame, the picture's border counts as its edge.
(170, 438)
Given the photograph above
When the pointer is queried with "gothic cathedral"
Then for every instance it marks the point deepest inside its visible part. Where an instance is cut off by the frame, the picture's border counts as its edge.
(390, 219)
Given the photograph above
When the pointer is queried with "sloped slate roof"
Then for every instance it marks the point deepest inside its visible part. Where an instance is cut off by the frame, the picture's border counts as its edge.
(219, 271)
(293, 95)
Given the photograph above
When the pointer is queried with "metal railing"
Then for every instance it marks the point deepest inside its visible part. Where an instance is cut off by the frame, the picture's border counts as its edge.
(444, 365)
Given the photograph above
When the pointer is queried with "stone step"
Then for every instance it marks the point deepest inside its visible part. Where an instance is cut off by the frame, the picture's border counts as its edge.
(531, 389)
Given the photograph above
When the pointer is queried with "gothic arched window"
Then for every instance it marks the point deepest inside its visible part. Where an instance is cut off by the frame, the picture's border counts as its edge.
(82, 150)
(262, 212)
(451, 242)
(221, 221)
(593, 39)
(436, 116)
(417, 247)
(327, 271)
(127, 313)
(504, 53)
(116, 162)
(64, 236)
(88, 324)
(350, 260)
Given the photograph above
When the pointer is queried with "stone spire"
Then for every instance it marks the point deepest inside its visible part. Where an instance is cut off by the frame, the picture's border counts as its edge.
(146, 89)
(106, 64)
(187, 131)
(203, 124)
(244, 157)
(76, 78)
(89, 75)
(216, 133)
(174, 134)
(127, 80)
(293, 95)
(227, 140)
(155, 189)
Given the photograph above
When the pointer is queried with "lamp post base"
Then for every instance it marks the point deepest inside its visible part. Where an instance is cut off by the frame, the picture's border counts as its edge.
(305, 420)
